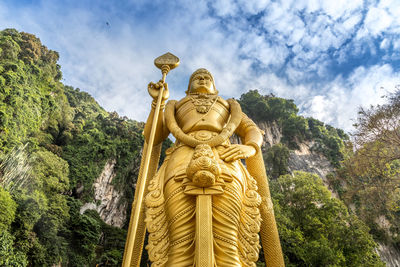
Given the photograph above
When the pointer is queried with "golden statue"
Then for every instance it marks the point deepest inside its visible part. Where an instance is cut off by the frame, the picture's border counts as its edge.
(202, 206)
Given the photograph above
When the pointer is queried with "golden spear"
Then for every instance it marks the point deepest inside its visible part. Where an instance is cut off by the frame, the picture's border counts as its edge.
(136, 228)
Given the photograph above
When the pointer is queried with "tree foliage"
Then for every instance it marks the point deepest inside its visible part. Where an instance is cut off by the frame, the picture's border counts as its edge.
(316, 229)
(276, 160)
(54, 140)
(8, 255)
(266, 108)
(372, 173)
(295, 129)
(29, 87)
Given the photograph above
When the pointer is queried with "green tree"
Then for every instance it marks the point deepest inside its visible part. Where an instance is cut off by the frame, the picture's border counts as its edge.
(30, 89)
(30, 208)
(254, 105)
(295, 129)
(51, 175)
(54, 141)
(372, 173)
(84, 234)
(7, 209)
(316, 229)
(276, 160)
(8, 256)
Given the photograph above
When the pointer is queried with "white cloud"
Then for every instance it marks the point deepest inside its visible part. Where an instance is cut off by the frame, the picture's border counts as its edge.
(288, 41)
(340, 8)
(383, 18)
(253, 6)
(258, 48)
(384, 44)
(224, 7)
(377, 20)
(343, 97)
(320, 106)
(396, 44)
(351, 22)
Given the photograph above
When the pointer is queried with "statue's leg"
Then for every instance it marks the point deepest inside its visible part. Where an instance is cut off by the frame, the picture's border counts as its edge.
(226, 219)
(180, 211)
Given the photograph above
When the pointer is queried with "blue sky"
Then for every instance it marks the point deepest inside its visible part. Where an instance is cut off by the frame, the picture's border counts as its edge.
(331, 57)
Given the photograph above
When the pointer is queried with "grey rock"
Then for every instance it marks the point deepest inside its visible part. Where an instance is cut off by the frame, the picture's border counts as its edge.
(107, 199)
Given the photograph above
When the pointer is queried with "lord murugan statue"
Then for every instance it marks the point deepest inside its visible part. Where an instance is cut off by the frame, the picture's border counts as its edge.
(203, 206)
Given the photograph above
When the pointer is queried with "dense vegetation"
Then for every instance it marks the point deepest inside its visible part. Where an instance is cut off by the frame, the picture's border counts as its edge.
(55, 141)
(294, 128)
(316, 229)
(370, 176)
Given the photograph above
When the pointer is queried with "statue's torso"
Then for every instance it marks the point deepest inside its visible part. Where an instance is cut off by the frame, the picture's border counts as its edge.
(234, 200)
(201, 117)
(202, 112)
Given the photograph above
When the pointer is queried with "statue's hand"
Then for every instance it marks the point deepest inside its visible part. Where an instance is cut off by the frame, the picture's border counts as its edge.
(235, 152)
(154, 90)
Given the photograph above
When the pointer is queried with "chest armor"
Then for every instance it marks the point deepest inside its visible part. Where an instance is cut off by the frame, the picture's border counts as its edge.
(202, 112)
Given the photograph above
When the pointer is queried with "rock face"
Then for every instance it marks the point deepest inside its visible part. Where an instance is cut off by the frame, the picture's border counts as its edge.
(389, 255)
(272, 133)
(302, 159)
(107, 199)
(305, 160)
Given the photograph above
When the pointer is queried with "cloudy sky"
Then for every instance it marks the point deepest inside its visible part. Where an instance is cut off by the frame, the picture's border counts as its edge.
(330, 56)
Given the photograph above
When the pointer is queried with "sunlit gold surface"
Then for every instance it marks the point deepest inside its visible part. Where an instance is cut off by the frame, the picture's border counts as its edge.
(136, 229)
(204, 242)
(203, 207)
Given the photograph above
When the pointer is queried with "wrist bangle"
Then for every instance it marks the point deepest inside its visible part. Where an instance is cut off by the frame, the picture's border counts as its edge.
(154, 104)
(253, 144)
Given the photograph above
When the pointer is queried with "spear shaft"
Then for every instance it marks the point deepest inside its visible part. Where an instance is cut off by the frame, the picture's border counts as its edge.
(133, 237)
(138, 208)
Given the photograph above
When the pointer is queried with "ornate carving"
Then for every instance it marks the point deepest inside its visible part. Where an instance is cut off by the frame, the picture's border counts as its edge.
(203, 170)
(203, 102)
(156, 221)
(227, 131)
(203, 205)
(167, 59)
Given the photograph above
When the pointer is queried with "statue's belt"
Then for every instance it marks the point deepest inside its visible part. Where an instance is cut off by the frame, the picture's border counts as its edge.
(202, 135)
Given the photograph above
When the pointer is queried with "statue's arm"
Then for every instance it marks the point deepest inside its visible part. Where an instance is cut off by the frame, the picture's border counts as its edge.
(249, 132)
(251, 137)
(161, 128)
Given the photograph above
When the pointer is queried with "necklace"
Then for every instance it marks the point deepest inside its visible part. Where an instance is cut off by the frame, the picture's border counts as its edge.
(203, 102)
(227, 131)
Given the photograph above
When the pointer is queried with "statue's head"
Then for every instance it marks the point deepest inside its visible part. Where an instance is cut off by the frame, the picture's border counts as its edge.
(201, 82)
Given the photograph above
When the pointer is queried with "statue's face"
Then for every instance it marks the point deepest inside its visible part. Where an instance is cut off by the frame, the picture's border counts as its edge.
(202, 84)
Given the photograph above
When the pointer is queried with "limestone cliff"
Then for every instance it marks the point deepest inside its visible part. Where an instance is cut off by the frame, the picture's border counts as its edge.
(272, 133)
(301, 159)
(389, 254)
(304, 159)
(107, 200)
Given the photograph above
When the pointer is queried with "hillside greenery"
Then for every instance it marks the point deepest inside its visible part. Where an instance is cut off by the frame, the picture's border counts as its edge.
(55, 141)
(367, 176)
(370, 176)
(315, 228)
(295, 129)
